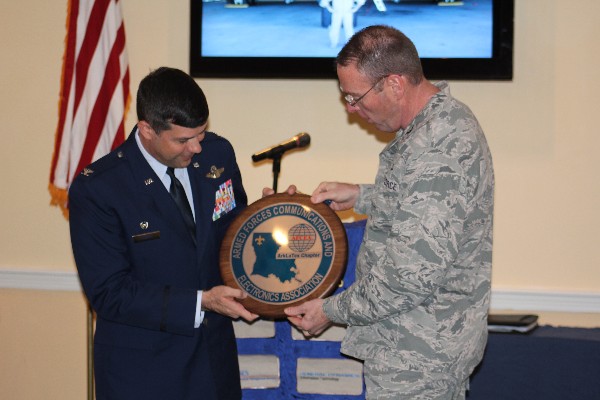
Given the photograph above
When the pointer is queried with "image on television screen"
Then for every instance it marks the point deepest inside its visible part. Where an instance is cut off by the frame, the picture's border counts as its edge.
(312, 28)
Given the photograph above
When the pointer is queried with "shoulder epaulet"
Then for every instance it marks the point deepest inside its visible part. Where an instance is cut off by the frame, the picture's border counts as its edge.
(109, 161)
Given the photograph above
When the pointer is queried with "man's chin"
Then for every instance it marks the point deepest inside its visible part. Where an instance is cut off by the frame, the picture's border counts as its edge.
(184, 163)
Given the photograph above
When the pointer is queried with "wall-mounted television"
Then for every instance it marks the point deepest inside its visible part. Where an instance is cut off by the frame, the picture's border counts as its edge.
(459, 40)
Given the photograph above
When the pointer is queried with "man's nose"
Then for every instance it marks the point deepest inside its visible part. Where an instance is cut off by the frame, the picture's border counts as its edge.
(351, 108)
(195, 146)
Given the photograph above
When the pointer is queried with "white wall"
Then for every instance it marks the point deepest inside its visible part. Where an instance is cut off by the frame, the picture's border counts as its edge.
(541, 127)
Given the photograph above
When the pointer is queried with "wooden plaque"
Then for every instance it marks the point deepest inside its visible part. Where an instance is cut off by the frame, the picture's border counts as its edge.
(284, 250)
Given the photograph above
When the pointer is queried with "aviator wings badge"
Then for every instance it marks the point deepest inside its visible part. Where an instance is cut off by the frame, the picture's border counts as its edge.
(215, 172)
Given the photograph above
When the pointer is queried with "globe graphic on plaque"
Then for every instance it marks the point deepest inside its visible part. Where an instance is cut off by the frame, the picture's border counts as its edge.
(301, 237)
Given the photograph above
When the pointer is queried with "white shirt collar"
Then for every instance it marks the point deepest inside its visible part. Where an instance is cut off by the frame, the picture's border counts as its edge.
(159, 168)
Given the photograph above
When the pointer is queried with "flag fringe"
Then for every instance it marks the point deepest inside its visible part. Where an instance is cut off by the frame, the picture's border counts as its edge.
(60, 198)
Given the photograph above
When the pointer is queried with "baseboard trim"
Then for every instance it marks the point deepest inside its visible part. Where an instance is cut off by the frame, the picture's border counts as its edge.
(544, 300)
(39, 280)
(502, 298)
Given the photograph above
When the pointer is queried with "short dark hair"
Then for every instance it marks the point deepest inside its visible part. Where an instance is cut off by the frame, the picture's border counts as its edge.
(170, 96)
(381, 50)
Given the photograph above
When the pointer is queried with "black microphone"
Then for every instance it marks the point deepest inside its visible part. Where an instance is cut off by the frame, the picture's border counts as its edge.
(300, 140)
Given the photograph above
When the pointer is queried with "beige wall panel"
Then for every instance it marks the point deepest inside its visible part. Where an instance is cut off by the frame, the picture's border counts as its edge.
(43, 345)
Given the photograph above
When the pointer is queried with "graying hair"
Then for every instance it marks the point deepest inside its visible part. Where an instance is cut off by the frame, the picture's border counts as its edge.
(381, 50)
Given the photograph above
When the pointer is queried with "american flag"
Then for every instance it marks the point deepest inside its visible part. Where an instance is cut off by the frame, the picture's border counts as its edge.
(94, 93)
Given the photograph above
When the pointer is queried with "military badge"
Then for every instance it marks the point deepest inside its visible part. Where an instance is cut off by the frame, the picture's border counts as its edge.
(215, 172)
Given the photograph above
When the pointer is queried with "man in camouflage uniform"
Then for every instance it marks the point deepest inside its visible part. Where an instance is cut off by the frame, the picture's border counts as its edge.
(417, 312)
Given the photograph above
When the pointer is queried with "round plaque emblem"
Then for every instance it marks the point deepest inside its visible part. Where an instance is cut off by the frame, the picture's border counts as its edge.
(284, 250)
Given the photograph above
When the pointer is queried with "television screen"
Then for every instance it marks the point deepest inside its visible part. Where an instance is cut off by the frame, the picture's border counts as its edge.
(469, 39)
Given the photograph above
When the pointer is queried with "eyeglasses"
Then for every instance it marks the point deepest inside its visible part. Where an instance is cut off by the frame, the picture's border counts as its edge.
(352, 102)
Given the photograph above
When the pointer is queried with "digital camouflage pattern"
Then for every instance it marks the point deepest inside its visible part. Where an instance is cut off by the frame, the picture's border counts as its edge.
(417, 312)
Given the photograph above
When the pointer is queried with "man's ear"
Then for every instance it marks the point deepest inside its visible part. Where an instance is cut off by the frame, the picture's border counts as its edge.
(146, 130)
(397, 84)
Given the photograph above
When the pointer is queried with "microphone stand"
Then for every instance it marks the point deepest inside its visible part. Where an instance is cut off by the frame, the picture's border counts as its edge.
(276, 169)
(276, 152)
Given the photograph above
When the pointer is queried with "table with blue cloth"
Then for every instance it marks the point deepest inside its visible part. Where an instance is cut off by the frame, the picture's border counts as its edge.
(548, 363)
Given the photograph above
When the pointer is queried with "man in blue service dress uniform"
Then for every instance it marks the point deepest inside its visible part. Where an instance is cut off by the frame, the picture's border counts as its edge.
(164, 326)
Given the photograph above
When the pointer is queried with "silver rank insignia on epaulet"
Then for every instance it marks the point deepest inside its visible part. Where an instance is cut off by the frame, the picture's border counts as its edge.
(215, 172)
(87, 172)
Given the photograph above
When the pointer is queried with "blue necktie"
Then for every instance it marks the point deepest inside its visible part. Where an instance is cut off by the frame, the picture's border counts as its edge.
(178, 193)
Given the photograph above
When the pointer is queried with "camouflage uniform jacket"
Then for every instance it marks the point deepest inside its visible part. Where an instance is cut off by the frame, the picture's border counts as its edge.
(422, 289)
